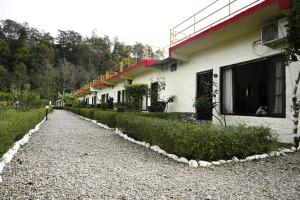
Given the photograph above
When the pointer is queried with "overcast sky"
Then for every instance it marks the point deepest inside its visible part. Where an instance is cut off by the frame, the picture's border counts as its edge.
(146, 21)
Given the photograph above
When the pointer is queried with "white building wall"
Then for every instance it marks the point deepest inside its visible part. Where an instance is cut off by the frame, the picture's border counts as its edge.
(182, 83)
(228, 53)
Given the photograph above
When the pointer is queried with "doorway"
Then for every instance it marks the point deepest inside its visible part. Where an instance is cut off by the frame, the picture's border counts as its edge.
(204, 99)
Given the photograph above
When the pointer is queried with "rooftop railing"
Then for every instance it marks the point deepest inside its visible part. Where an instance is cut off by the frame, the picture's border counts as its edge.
(125, 63)
(211, 15)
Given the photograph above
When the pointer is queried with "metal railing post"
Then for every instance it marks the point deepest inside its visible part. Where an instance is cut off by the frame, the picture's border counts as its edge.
(194, 23)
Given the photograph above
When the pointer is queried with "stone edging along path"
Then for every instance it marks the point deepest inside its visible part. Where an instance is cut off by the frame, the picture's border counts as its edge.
(194, 163)
(8, 156)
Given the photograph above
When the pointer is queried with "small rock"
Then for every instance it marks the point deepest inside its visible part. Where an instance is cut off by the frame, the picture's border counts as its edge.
(272, 153)
(251, 158)
(242, 160)
(276, 153)
(183, 160)
(235, 159)
(147, 145)
(293, 148)
(173, 156)
(215, 163)
(287, 151)
(155, 148)
(229, 161)
(281, 153)
(263, 156)
(163, 152)
(203, 163)
(143, 144)
(222, 162)
(193, 163)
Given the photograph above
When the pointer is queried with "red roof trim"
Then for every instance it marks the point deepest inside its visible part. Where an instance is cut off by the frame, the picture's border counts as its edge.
(282, 3)
(145, 63)
(285, 4)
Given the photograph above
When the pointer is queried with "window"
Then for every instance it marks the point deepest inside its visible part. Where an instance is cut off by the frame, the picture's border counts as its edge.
(173, 67)
(87, 100)
(255, 89)
(107, 97)
(154, 92)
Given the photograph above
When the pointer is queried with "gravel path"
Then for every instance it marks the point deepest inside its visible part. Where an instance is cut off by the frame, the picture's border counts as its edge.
(70, 158)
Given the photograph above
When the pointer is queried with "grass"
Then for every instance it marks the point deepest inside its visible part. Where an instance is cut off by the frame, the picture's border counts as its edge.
(14, 125)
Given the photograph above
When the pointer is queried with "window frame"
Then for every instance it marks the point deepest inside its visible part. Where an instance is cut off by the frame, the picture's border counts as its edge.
(270, 58)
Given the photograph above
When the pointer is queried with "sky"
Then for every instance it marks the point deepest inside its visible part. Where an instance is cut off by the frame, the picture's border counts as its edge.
(146, 21)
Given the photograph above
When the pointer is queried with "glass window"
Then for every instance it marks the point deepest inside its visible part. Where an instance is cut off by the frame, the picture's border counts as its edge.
(256, 88)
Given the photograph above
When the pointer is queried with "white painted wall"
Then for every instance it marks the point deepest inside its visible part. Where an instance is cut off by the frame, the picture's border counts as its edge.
(182, 83)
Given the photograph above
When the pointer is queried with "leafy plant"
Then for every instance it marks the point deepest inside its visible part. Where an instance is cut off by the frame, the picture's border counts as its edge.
(135, 94)
(291, 52)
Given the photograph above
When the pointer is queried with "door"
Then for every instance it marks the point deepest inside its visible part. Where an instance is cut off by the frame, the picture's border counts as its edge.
(204, 95)
(154, 92)
(119, 97)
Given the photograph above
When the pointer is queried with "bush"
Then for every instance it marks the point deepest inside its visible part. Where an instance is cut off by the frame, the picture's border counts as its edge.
(106, 117)
(157, 106)
(184, 117)
(201, 142)
(121, 109)
(21, 100)
(14, 125)
(86, 112)
(205, 142)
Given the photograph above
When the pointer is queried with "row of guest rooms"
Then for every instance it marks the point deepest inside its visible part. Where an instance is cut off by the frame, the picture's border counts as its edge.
(253, 84)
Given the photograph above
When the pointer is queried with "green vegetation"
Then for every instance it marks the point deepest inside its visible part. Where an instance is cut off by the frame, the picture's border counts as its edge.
(14, 125)
(202, 142)
(107, 117)
(292, 52)
(135, 94)
(58, 64)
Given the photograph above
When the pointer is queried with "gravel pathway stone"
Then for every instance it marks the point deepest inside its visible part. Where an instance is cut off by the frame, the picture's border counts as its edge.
(70, 158)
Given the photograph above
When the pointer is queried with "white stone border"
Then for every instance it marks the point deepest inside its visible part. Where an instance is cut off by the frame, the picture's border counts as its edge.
(194, 163)
(8, 156)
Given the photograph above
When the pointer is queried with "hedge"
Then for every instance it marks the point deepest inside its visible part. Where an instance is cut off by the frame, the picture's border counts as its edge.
(14, 125)
(106, 117)
(201, 142)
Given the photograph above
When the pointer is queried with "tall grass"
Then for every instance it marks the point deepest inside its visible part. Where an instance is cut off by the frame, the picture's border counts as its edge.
(14, 125)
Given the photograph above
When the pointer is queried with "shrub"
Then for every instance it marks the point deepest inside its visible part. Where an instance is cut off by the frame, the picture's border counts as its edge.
(106, 117)
(86, 112)
(121, 109)
(201, 142)
(184, 117)
(135, 94)
(157, 106)
(14, 125)
(21, 100)
(205, 142)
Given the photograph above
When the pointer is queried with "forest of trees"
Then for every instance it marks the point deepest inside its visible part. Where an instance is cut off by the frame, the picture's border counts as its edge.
(57, 64)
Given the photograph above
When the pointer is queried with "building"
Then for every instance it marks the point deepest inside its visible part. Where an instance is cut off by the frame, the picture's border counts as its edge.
(236, 49)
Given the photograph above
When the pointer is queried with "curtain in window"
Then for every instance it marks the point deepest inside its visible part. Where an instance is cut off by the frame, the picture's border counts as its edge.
(279, 87)
(227, 91)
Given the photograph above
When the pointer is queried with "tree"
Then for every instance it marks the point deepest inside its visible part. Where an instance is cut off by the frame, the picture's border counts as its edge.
(291, 54)
(135, 94)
